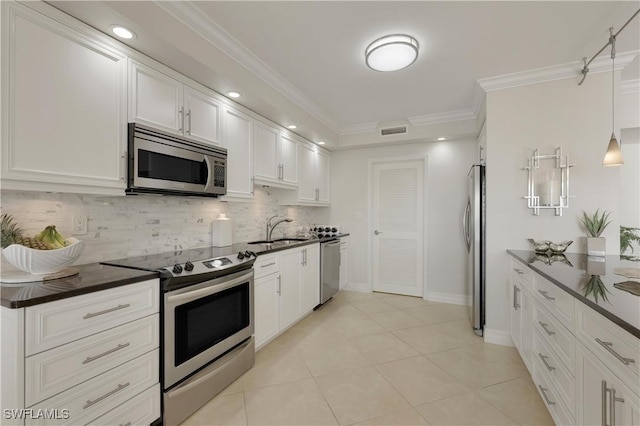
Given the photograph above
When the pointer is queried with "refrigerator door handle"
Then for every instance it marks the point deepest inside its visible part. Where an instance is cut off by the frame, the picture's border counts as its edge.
(465, 224)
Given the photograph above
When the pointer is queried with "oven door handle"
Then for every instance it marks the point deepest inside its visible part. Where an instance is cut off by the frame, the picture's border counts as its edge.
(212, 289)
(210, 172)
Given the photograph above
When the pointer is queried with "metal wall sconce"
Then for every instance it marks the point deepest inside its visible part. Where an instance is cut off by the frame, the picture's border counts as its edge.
(548, 185)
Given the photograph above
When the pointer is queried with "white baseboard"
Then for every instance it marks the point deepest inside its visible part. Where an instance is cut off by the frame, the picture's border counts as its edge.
(498, 337)
(359, 287)
(455, 299)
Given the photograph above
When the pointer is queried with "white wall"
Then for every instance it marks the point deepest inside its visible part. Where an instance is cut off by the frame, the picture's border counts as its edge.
(630, 178)
(448, 164)
(544, 116)
(136, 225)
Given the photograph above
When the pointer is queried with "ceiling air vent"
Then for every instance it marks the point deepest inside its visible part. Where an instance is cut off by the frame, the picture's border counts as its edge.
(393, 131)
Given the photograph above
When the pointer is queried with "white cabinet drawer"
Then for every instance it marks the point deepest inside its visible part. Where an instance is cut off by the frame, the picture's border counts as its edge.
(557, 301)
(63, 321)
(555, 335)
(266, 264)
(562, 380)
(619, 350)
(522, 273)
(140, 410)
(99, 395)
(557, 409)
(51, 372)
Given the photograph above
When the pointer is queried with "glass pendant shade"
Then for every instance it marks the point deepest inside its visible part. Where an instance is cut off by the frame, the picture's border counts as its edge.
(613, 157)
(392, 53)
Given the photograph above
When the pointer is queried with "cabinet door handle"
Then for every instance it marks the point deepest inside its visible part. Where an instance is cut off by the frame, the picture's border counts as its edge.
(544, 394)
(518, 271)
(516, 305)
(189, 121)
(106, 311)
(612, 404)
(181, 112)
(110, 351)
(544, 361)
(609, 347)
(126, 424)
(545, 294)
(106, 395)
(544, 326)
(124, 167)
(279, 285)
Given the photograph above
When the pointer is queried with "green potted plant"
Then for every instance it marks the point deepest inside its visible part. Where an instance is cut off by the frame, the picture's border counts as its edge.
(628, 235)
(595, 226)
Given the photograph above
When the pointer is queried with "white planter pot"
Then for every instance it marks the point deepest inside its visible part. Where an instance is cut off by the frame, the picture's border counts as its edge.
(596, 246)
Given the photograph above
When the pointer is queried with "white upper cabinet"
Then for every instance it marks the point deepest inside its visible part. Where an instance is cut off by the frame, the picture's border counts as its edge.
(313, 178)
(159, 101)
(275, 157)
(238, 140)
(63, 105)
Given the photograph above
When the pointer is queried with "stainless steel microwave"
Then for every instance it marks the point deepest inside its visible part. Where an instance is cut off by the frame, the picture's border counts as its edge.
(160, 163)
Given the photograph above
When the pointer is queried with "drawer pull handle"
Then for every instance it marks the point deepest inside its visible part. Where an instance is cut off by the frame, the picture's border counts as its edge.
(106, 311)
(609, 348)
(110, 351)
(106, 395)
(544, 394)
(546, 295)
(544, 361)
(126, 424)
(544, 326)
(268, 264)
(519, 271)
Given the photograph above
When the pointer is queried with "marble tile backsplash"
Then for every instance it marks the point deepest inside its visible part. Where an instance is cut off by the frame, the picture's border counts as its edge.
(135, 225)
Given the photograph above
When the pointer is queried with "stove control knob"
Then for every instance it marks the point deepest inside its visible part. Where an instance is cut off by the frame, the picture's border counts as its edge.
(217, 263)
(327, 229)
(334, 229)
(247, 254)
(251, 253)
(177, 269)
(188, 266)
(240, 255)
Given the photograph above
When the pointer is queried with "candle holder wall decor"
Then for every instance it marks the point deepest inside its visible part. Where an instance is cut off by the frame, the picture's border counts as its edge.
(548, 182)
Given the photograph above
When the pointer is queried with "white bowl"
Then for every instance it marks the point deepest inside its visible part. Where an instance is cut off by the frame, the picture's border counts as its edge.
(41, 262)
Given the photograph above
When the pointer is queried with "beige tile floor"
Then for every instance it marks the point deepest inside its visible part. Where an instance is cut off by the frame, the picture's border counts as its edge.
(380, 359)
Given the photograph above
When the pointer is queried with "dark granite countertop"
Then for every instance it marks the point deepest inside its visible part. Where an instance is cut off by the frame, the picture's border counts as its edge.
(96, 276)
(90, 278)
(572, 273)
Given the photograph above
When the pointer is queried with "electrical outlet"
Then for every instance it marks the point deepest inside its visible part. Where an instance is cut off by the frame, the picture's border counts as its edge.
(79, 225)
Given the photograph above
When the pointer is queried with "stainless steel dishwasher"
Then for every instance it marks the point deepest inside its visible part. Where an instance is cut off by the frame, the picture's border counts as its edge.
(329, 269)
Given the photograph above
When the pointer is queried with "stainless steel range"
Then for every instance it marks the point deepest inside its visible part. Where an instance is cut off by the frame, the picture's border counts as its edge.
(207, 329)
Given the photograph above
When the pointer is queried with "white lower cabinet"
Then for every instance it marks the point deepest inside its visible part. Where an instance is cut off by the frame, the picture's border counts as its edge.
(584, 366)
(602, 397)
(86, 361)
(344, 261)
(286, 287)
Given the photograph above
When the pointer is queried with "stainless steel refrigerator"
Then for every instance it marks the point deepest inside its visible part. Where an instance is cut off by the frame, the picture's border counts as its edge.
(473, 225)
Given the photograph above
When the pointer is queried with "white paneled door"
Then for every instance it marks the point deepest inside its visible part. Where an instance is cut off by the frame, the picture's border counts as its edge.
(397, 219)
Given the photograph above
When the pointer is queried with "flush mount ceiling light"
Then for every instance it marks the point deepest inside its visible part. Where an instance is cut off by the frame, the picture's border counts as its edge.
(321, 143)
(442, 139)
(292, 126)
(122, 32)
(391, 53)
(233, 94)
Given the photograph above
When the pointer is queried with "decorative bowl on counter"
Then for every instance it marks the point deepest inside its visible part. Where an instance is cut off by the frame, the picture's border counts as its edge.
(547, 246)
(41, 262)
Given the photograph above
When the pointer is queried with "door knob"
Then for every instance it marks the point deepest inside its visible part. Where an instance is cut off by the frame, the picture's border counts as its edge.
(376, 232)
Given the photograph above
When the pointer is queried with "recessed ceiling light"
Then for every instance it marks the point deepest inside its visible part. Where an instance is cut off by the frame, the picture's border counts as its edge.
(122, 32)
(391, 53)
(292, 126)
(321, 143)
(233, 94)
(442, 139)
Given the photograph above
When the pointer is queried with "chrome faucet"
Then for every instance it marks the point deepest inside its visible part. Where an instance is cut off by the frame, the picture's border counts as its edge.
(271, 227)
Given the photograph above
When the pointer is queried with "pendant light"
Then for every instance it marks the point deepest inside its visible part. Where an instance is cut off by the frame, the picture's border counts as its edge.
(613, 156)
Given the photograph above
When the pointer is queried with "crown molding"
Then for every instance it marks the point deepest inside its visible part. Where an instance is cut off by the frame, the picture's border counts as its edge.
(441, 117)
(359, 128)
(628, 87)
(200, 23)
(556, 72)
(479, 98)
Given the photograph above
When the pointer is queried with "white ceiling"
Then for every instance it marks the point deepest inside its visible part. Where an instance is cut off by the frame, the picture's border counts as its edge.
(314, 51)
